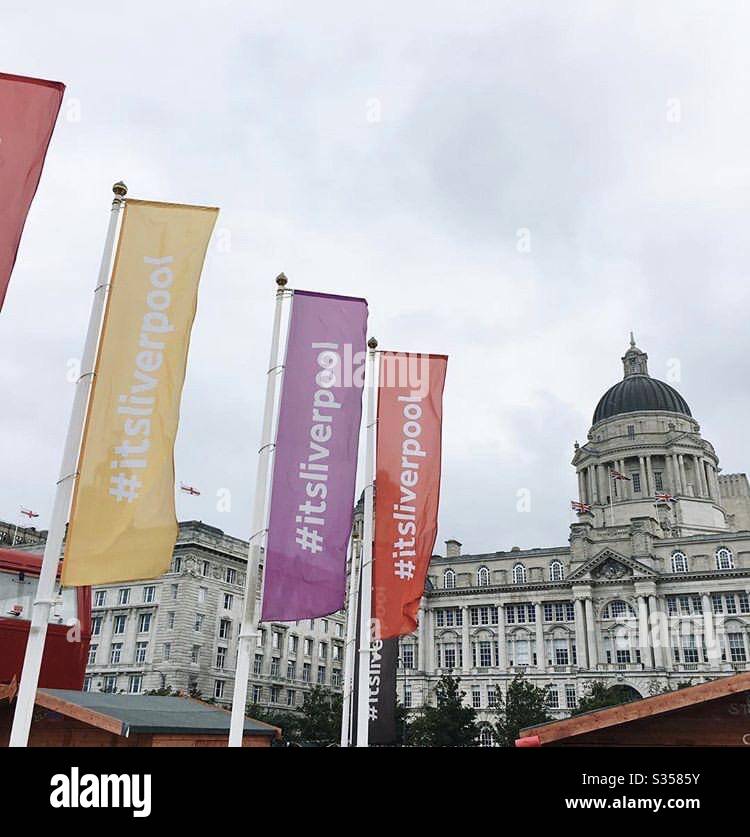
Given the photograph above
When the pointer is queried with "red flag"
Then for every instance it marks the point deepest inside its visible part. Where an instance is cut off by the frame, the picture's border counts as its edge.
(28, 110)
(410, 414)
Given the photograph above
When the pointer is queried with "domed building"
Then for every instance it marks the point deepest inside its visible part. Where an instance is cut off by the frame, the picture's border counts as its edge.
(652, 589)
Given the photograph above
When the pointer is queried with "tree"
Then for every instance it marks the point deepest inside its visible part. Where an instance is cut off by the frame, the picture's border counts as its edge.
(449, 724)
(523, 706)
(317, 722)
(599, 696)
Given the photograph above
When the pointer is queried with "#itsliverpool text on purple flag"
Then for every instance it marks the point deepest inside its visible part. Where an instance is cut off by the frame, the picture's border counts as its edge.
(315, 464)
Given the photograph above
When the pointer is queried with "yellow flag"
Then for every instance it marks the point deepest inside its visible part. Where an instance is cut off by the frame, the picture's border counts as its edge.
(122, 522)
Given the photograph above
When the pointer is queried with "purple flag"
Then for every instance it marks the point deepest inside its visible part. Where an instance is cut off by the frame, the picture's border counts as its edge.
(315, 464)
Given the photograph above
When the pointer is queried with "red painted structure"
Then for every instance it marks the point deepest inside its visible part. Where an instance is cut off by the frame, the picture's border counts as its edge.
(64, 661)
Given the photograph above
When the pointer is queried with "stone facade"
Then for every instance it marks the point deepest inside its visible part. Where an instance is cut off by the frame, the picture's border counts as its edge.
(648, 592)
(180, 631)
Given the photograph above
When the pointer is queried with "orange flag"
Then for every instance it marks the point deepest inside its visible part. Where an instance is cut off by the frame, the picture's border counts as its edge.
(410, 415)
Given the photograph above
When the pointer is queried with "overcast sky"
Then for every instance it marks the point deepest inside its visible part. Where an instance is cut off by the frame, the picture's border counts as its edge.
(407, 153)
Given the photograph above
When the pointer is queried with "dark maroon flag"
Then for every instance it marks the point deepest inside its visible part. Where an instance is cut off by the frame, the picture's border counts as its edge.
(28, 110)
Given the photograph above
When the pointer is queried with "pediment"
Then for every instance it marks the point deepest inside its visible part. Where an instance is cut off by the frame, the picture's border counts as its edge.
(609, 565)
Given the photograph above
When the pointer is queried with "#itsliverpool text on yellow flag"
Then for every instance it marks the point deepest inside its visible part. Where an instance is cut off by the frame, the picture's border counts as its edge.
(122, 522)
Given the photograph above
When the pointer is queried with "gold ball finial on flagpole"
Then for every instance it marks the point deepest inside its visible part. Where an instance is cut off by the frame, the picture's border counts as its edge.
(120, 189)
(372, 343)
(281, 280)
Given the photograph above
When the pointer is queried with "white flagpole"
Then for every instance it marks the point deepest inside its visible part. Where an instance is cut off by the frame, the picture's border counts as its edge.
(351, 640)
(365, 598)
(44, 599)
(251, 612)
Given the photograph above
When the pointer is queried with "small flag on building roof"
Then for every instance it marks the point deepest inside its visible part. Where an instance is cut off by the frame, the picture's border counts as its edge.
(580, 508)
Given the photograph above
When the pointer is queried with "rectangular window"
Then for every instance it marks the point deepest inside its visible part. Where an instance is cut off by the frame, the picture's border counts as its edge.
(570, 612)
(737, 648)
(631, 431)
(306, 669)
(553, 697)
(110, 683)
(118, 624)
(730, 603)
(176, 564)
(339, 630)
(274, 666)
(92, 655)
(261, 637)
(336, 677)
(124, 596)
(205, 568)
(258, 664)
(195, 654)
(114, 657)
(689, 649)
(658, 482)
(290, 697)
(548, 611)
(257, 694)
(175, 591)
(140, 651)
(228, 601)
(449, 654)
(308, 647)
(293, 643)
(275, 694)
(167, 650)
(219, 688)
(636, 479)
(323, 650)
(476, 697)
(135, 684)
(202, 595)
(407, 656)
(485, 654)
(231, 575)
(491, 696)
(717, 603)
(571, 699)
(276, 640)
(321, 674)
(622, 656)
(561, 652)
(144, 623)
(225, 629)
(170, 619)
(221, 657)
(199, 617)
(744, 602)
(87, 683)
(100, 598)
(407, 696)
(672, 605)
(96, 626)
(559, 612)
(149, 594)
(291, 670)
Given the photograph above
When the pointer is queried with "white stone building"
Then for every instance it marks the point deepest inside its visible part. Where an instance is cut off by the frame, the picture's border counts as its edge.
(646, 593)
(180, 631)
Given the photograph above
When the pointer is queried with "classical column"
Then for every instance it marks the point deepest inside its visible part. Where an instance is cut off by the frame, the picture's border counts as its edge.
(428, 655)
(627, 488)
(650, 472)
(592, 482)
(591, 635)
(541, 662)
(644, 639)
(466, 661)
(581, 492)
(670, 486)
(677, 484)
(667, 634)
(697, 482)
(656, 620)
(580, 623)
(711, 641)
(420, 638)
(502, 644)
(603, 488)
(644, 479)
(683, 475)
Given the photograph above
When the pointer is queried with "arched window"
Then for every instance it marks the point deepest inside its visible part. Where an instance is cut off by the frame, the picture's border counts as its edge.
(679, 562)
(449, 579)
(483, 577)
(618, 610)
(485, 737)
(724, 560)
(556, 571)
(519, 574)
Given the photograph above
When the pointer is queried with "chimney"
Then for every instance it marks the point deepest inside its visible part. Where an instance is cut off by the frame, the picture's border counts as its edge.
(452, 548)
